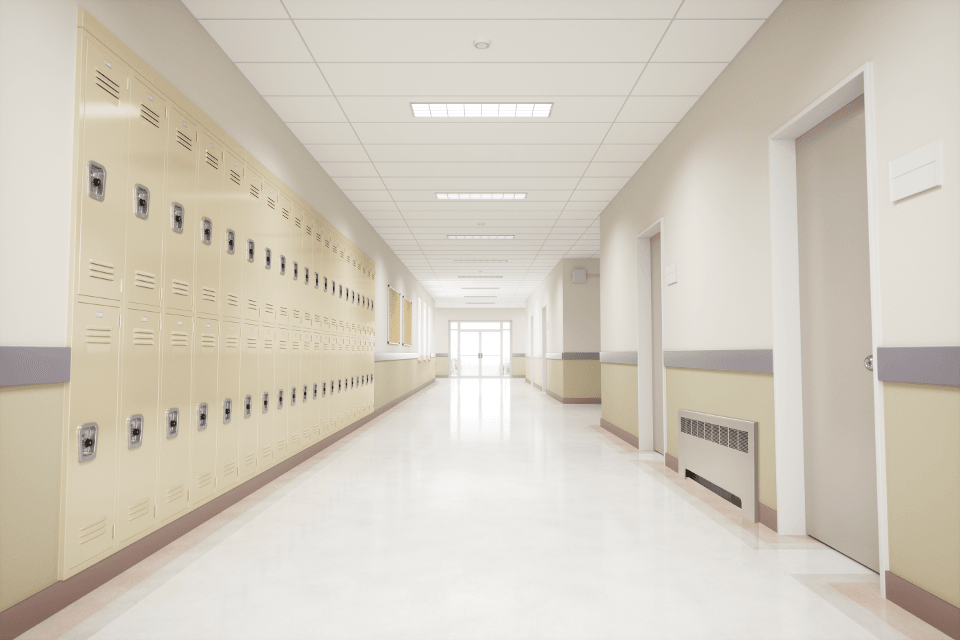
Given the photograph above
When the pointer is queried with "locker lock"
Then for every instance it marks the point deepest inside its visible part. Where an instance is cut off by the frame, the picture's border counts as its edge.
(247, 406)
(227, 410)
(267, 258)
(265, 396)
(96, 181)
(141, 201)
(173, 423)
(316, 280)
(306, 275)
(206, 231)
(283, 265)
(296, 268)
(305, 393)
(324, 284)
(341, 291)
(314, 390)
(348, 294)
(279, 398)
(176, 217)
(331, 388)
(202, 416)
(339, 385)
(231, 241)
(87, 441)
(251, 250)
(293, 396)
(324, 389)
(135, 431)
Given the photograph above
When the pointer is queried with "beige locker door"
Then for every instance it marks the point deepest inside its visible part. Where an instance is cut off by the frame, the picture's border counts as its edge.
(139, 410)
(341, 365)
(308, 295)
(209, 235)
(294, 409)
(326, 286)
(144, 215)
(229, 415)
(337, 285)
(267, 407)
(296, 286)
(104, 196)
(318, 296)
(305, 400)
(249, 408)
(280, 233)
(176, 385)
(326, 385)
(838, 420)
(254, 246)
(272, 283)
(232, 255)
(90, 485)
(316, 374)
(179, 214)
(282, 393)
(205, 406)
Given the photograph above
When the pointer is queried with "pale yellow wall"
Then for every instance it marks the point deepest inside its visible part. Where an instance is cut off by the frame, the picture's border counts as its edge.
(30, 433)
(441, 366)
(555, 376)
(619, 383)
(519, 366)
(747, 396)
(548, 294)
(536, 370)
(395, 378)
(923, 485)
(581, 378)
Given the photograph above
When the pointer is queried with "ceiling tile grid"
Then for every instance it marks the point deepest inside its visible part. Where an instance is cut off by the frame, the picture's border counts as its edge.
(618, 75)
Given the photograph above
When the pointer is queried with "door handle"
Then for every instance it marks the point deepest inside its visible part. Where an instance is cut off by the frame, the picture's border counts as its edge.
(868, 362)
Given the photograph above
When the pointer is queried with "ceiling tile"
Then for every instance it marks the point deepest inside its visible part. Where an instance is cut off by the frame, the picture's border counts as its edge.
(602, 183)
(443, 153)
(398, 109)
(624, 152)
(337, 152)
(481, 133)
(258, 40)
(368, 195)
(349, 169)
(306, 108)
(324, 133)
(285, 78)
(726, 9)
(656, 108)
(502, 9)
(235, 9)
(483, 169)
(358, 183)
(612, 169)
(638, 132)
(705, 40)
(677, 79)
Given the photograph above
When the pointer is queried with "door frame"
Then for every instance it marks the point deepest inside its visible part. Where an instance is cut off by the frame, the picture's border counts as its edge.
(505, 356)
(785, 278)
(543, 348)
(645, 339)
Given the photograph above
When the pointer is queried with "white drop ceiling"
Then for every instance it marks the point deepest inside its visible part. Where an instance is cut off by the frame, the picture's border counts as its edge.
(620, 74)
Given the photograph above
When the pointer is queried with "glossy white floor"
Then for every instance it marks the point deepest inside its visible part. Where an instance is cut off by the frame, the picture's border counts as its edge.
(486, 510)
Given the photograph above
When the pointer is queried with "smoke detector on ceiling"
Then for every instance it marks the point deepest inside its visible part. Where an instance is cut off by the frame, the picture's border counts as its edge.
(482, 43)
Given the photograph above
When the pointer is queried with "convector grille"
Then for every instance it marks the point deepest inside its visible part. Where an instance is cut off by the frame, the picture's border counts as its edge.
(718, 434)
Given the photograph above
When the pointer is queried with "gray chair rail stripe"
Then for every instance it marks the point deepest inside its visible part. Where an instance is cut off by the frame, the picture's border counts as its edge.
(921, 365)
(441, 355)
(574, 355)
(34, 365)
(738, 360)
(618, 357)
(384, 357)
(519, 355)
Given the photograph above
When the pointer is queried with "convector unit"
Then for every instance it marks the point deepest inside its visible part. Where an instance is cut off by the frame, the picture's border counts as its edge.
(722, 451)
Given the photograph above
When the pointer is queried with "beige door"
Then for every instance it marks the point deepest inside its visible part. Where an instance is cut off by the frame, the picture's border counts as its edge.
(91, 477)
(175, 387)
(249, 410)
(104, 196)
(316, 382)
(272, 281)
(229, 412)
(140, 424)
(209, 229)
(294, 405)
(839, 447)
(232, 253)
(253, 246)
(281, 393)
(657, 344)
(144, 214)
(205, 405)
(180, 214)
(268, 395)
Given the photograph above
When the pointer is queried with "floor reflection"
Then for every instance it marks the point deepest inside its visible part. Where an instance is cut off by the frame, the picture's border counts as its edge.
(480, 409)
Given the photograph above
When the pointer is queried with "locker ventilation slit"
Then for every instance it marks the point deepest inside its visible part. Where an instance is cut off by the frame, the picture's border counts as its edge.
(144, 280)
(254, 192)
(286, 214)
(99, 335)
(298, 222)
(209, 295)
(143, 337)
(175, 493)
(232, 342)
(107, 84)
(233, 300)
(138, 509)
(268, 308)
(179, 339)
(184, 141)
(251, 458)
(93, 530)
(180, 288)
(234, 177)
(204, 479)
(208, 340)
(212, 161)
(253, 305)
(101, 270)
(251, 343)
(150, 115)
(271, 202)
(230, 468)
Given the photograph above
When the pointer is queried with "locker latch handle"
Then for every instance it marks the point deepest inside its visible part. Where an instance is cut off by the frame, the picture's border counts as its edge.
(141, 202)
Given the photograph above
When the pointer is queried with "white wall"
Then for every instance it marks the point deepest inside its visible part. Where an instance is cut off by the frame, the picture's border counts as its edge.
(709, 178)
(37, 73)
(550, 295)
(442, 318)
(581, 307)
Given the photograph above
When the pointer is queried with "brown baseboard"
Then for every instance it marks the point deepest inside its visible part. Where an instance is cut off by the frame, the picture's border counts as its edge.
(923, 604)
(581, 401)
(439, 376)
(627, 437)
(555, 396)
(536, 386)
(30, 612)
(520, 376)
(768, 516)
(671, 462)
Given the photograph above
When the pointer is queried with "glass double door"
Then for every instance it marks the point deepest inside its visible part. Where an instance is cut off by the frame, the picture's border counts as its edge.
(480, 353)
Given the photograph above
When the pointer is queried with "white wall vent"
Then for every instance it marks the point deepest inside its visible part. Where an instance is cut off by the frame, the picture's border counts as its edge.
(579, 275)
(721, 454)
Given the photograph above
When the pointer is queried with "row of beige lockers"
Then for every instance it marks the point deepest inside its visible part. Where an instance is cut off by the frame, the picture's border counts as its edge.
(167, 409)
(168, 215)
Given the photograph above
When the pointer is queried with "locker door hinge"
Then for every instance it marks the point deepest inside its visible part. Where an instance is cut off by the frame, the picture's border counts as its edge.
(113, 532)
(121, 285)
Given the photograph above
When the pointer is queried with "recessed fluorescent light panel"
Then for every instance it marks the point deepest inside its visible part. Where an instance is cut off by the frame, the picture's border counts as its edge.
(479, 276)
(481, 196)
(484, 261)
(478, 288)
(479, 237)
(480, 303)
(481, 110)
